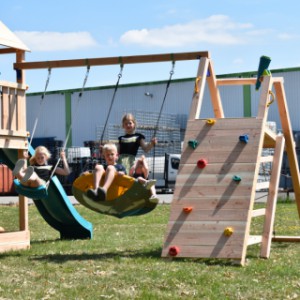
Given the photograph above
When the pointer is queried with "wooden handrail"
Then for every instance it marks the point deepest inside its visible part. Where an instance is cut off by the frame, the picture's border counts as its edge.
(13, 85)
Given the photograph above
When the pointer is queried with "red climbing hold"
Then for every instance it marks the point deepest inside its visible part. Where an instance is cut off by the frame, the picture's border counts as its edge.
(173, 251)
(201, 163)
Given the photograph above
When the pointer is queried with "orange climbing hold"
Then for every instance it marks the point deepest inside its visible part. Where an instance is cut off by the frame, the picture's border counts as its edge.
(187, 209)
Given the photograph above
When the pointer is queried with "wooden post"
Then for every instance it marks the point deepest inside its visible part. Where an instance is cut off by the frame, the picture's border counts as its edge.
(23, 201)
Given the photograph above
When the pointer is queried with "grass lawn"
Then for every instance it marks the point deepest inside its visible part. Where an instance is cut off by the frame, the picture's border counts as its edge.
(123, 261)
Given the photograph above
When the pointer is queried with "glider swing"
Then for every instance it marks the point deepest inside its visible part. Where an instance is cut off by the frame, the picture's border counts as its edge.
(41, 192)
(126, 196)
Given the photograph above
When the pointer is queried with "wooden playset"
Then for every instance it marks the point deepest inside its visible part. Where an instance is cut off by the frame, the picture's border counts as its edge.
(216, 183)
(215, 189)
(13, 134)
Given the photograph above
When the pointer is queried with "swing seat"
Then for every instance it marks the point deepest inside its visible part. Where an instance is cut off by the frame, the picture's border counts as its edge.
(125, 197)
(40, 192)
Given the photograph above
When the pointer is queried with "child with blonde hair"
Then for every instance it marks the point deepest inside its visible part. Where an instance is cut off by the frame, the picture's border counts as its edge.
(130, 142)
(140, 171)
(110, 153)
(39, 171)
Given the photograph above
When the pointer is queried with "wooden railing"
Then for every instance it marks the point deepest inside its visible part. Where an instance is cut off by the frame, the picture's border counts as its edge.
(13, 133)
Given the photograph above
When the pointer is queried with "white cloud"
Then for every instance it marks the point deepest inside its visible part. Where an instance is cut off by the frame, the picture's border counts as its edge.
(56, 41)
(287, 36)
(217, 29)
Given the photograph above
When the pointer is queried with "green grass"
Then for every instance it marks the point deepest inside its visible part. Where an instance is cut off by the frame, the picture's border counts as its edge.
(123, 261)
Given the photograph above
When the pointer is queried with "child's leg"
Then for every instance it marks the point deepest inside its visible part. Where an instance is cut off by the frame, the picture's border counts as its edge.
(31, 179)
(98, 173)
(19, 167)
(150, 184)
(141, 180)
(154, 197)
(29, 174)
(109, 177)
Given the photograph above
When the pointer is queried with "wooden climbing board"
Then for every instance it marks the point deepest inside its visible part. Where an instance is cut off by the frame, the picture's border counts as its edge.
(215, 189)
(219, 196)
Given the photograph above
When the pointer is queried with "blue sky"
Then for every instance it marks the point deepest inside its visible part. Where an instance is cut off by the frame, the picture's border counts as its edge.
(236, 33)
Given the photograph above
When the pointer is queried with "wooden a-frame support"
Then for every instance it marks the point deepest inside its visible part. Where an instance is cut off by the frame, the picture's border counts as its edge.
(216, 183)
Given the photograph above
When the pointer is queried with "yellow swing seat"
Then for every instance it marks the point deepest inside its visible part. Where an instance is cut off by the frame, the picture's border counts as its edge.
(125, 197)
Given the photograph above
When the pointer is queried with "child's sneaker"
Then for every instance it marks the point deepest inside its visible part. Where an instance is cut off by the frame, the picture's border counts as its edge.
(19, 166)
(92, 194)
(101, 194)
(149, 184)
(28, 173)
(154, 199)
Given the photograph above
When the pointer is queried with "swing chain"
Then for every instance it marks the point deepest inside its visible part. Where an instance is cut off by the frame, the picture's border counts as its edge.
(47, 82)
(121, 71)
(173, 67)
(165, 96)
(40, 107)
(112, 102)
(85, 80)
(71, 125)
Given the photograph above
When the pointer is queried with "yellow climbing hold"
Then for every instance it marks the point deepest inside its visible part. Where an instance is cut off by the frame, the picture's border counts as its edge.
(210, 121)
(228, 231)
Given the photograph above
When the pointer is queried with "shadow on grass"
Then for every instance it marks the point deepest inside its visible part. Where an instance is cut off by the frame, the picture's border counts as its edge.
(59, 258)
(152, 254)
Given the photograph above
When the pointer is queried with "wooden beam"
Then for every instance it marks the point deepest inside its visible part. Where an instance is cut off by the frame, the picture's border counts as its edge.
(236, 81)
(287, 239)
(272, 198)
(286, 126)
(8, 50)
(103, 61)
(269, 138)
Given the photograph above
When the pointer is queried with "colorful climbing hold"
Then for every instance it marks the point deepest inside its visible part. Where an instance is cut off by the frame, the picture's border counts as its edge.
(193, 143)
(173, 251)
(228, 231)
(210, 121)
(236, 178)
(187, 209)
(201, 163)
(244, 138)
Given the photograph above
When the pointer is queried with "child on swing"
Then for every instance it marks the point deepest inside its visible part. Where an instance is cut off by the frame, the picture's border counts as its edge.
(130, 142)
(140, 171)
(110, 153)
(39, 172)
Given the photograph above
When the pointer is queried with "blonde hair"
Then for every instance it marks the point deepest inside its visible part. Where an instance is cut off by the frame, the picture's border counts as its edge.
(40, 149)
(129, 117)
(109, 147)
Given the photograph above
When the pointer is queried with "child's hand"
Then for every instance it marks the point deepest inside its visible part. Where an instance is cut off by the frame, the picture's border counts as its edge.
(25, 154)
(154, 141)
(121, 173)
(62, 154)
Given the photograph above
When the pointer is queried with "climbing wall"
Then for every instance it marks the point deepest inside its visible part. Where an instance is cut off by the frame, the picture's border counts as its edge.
(215, 189)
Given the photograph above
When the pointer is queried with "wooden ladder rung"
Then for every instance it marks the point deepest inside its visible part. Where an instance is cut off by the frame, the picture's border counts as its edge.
(254, 239)
(262, 185)
(269, 138)
(287, 239)
(266, 159)
(258, 212)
